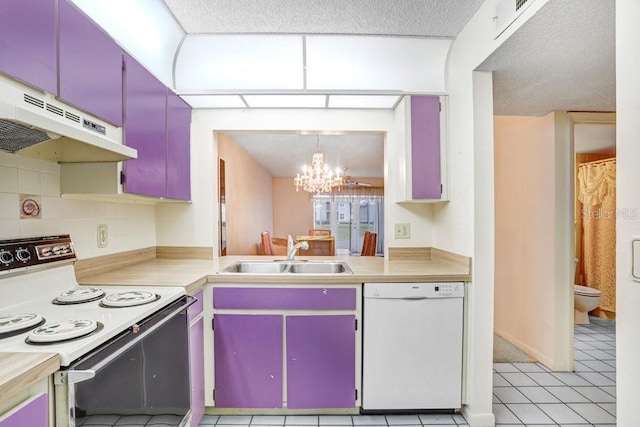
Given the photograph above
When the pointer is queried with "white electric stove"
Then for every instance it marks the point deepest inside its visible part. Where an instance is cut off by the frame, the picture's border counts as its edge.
(38, 289)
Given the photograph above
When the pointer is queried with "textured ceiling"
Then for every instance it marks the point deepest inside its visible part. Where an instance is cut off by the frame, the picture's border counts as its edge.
(283, 154)
(429, 18)
(563, 58)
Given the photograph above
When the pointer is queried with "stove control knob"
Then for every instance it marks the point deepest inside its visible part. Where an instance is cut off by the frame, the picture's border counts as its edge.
(6, 257)
(23, 255)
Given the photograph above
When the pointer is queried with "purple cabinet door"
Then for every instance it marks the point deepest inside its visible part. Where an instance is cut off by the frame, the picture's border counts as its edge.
(285, 299)
(425, 147)
(145, 130)
(248, 361)
(34, 413)
(196, 361)
(90, 67)
(28, 42)
(178, 148)
(321, 362)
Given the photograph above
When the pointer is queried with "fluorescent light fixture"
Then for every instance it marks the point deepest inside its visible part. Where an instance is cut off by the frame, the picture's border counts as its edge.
(398, 64)
(239, 62)
(285, 101)
(363, 101)
(214, 101)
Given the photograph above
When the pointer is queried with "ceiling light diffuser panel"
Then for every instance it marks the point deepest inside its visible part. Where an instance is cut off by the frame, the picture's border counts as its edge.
(285, 101)
(363, 101)
(214, 101)
(208, 62)
(369, 63)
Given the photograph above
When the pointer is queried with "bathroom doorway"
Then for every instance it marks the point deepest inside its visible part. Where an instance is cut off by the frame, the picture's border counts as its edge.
(595, 208)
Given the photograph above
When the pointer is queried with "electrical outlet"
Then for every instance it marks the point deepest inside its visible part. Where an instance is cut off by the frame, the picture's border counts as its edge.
(103, 236)
(402, 231)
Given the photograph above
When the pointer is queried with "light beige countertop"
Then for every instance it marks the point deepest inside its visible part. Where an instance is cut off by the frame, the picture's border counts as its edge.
(432, 266)
(20, 370)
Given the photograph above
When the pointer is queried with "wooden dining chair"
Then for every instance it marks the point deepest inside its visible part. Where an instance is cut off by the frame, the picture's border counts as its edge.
(319, 232)
(369, 244)
(265, 243)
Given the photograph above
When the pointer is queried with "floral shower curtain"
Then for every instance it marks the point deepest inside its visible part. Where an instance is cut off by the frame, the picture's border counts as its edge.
(598, 196)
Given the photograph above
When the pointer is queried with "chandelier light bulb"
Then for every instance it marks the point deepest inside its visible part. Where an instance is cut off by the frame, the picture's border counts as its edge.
(318, 176)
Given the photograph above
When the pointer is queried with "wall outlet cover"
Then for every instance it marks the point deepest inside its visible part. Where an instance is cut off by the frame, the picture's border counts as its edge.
(402, 231)
(103, 236)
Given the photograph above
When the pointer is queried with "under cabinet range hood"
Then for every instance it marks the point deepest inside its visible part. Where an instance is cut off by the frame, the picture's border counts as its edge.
(35, 124)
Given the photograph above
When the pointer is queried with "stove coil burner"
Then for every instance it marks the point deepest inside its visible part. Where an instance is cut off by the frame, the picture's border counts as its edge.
(79, 296)
(68, 330)
(128, 299)
(15, 324)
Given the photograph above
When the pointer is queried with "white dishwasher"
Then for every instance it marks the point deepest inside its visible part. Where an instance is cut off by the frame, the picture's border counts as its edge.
(412, 346)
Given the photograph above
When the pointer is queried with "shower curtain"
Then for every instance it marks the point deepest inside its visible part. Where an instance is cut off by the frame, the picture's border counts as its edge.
(598, 196)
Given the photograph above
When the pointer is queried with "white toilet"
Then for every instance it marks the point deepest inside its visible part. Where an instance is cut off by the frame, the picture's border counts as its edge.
(585, 299)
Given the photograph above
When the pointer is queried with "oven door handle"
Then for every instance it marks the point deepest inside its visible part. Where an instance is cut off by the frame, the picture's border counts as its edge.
(104, 362)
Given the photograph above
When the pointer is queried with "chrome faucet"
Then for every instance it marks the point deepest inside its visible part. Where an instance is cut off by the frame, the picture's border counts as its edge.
(291, 248)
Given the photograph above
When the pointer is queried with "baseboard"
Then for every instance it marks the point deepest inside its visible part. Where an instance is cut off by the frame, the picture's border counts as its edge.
(482, 419)
(542, 358)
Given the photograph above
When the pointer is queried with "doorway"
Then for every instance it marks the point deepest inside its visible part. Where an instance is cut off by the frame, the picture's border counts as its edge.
(349, 217)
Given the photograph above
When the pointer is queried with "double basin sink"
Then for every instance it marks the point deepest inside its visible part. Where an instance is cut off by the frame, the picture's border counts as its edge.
(288, 267)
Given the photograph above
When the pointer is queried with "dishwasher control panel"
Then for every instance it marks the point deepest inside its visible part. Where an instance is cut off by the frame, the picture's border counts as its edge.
(447, 289)
(414, 290)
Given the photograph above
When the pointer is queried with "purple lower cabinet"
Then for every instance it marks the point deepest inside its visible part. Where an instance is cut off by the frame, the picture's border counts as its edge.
(321, 361)
(196, 362)
(248, 360)
(35, 413)
(285, 299)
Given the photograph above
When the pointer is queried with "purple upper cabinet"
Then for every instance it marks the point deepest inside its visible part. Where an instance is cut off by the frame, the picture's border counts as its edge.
(28, 42)
(321, 362)
(248, 361)
(145, 130)
(425, 148)
(90, 65)
(34, 413)
(178, 148)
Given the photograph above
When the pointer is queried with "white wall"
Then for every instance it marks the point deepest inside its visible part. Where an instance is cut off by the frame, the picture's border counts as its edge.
(130, 226)
(532, 167)
(466, 224)
(198, 221)
(628, 206)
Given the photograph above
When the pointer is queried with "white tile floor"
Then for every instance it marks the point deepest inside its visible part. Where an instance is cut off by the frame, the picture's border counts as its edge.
(528, 394)
(524, 394)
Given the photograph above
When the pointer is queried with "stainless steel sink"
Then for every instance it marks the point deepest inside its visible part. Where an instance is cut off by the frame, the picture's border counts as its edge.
(287, 267)
(327, 267)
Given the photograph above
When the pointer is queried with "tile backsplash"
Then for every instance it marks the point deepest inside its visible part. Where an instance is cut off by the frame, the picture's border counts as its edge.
(130, 226)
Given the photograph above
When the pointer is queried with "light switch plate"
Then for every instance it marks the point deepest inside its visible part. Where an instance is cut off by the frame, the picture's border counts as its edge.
(103, 236)
(402, 231)
(635, 258)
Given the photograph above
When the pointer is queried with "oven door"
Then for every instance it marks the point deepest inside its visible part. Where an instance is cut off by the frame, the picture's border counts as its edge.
(140, 377)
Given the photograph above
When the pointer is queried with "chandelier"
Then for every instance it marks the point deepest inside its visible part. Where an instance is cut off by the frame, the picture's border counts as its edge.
(318, 177)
